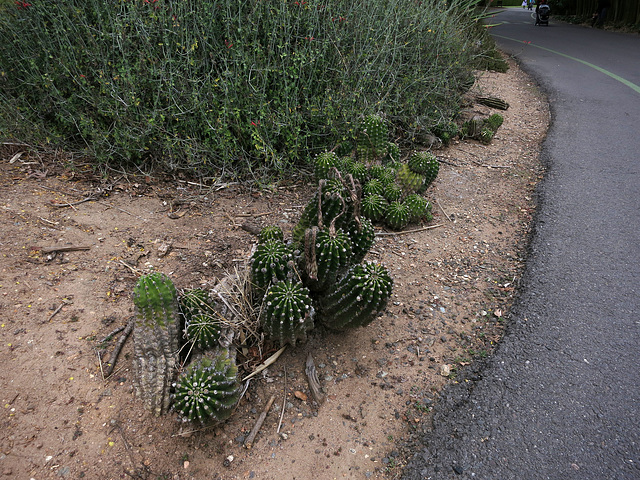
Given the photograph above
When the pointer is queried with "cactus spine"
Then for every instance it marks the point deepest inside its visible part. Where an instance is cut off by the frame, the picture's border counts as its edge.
(156, 340)
(209, 390)
(358, 297)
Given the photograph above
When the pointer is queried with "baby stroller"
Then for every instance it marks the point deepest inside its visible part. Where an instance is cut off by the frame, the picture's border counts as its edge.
(542, 14)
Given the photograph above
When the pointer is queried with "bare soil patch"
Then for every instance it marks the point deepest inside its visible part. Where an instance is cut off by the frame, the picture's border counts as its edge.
(454, 284)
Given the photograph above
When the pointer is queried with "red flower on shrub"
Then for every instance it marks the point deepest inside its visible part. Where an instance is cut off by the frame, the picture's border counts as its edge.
(21, 5)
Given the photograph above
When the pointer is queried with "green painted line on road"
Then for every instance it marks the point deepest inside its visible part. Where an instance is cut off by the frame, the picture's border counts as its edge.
(624, 81)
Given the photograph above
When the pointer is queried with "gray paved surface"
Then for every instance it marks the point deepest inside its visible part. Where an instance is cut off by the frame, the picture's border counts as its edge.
(560, 399)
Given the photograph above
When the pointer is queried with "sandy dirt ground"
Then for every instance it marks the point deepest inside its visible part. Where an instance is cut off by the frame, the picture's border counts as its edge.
(72, 246)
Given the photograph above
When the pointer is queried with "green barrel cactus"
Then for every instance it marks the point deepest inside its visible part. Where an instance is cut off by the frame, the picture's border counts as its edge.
(203, 330)
(419, 207)
(376, 171)
(392, 192)
(328, 253)
(372, 139)
(323, 163)
(420, 162)
(271, 232)
(358, 171)
(393, 153)
(374, 207)
(335, 199)
(208, 390)
(359, 296)
(156, 338)
(494, 122)
(362, 237)
(486, 135)
(373, 186)
(193, 302)
(409, 180)
(288, 312)
(269, 264)
(397, 215)
(446, 132)
(426, 164)
(389, 175)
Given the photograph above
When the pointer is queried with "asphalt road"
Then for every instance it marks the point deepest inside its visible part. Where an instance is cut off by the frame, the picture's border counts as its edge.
(560, 398)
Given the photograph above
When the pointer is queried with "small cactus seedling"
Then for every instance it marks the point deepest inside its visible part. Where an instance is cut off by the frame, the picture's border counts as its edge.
(362, 237)
(419, 208)
(156, 339)
(270, 263)
(208, 390)
(323, 163)
(409, 180)
(374, 206)
(397, 215)
(358, 297)
(288, 313)
(271, 232)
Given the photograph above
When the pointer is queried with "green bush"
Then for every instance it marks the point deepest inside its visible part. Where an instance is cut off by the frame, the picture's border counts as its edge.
(222, 87)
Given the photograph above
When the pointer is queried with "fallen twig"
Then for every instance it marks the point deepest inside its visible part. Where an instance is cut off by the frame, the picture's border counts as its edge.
(284, 400)
(116, 350)
(62, 205)
(266, 363)
(133, 269)
(61, 248)
(64, 302)
(404, 232)
(445, 213)
(248, 443)
(314, 383)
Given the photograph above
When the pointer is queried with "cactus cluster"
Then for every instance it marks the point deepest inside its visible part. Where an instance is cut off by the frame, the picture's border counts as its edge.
(156, 340)
(446, 132)
(208, 390)
(482, 129)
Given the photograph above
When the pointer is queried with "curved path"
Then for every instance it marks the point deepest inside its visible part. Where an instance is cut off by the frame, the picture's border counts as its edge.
(560, 398)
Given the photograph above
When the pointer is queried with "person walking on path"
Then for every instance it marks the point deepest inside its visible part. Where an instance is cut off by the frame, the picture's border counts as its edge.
(601, 13)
